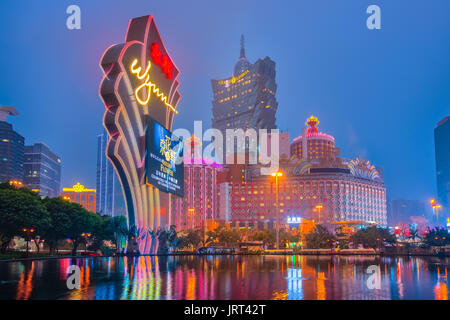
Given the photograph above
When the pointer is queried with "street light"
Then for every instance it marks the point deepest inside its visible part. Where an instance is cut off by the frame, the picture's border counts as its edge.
(27, 232)
(191, 212)
(436, 207)
(86, 237)
(277, 175)
(15, 183)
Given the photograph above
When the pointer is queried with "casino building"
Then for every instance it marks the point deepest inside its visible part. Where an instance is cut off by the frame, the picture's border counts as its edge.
(247, 99)
(314, 145)
(200, 204)
(326, 189)
(81, 195)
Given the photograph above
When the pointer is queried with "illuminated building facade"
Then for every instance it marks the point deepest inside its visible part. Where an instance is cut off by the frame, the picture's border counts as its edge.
(81, 195)
(442, 151)
(247, 99)
(109, 192)
(11, 148)
(314, 145)
(42, 170)
(200, 203)
(341, 194)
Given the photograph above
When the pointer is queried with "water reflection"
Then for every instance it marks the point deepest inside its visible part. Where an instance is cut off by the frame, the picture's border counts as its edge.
(228, 277)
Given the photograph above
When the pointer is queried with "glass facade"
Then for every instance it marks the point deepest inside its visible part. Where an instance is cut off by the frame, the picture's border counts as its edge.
(442, 149)
(42, 170)
(247, 99)
(109, 199)
(11, 153)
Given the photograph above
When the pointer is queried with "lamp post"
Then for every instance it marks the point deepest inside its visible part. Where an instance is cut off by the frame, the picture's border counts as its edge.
(27, 232)
(86, 237)
(436, 208)
(191, 212)
(276, 175)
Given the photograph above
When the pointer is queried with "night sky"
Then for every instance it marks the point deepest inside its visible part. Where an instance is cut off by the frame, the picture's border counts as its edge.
(379, 93)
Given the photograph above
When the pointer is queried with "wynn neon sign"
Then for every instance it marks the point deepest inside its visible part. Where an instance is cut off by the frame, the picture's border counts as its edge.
(151, 87)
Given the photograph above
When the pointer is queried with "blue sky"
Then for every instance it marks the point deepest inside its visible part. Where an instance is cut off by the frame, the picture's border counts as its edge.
(380, 93)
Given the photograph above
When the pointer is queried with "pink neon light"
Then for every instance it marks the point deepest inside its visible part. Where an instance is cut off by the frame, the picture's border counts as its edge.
(316, 135)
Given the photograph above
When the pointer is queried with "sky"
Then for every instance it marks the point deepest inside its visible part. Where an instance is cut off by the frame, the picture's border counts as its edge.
(380, 93)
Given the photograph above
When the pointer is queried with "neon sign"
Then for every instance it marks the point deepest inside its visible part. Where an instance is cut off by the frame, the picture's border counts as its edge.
(161, 60)
(294, 220)
(151, 87)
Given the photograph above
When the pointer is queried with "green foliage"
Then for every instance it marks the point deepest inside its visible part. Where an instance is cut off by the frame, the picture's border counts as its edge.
(437, 237)
(224, 237)
(320, 238)
(372, 237)
(20, 209)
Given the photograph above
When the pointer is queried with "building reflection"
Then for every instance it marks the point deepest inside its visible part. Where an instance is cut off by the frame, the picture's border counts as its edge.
(228, 277)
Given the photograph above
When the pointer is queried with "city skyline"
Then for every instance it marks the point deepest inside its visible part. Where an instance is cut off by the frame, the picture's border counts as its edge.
(329, 73)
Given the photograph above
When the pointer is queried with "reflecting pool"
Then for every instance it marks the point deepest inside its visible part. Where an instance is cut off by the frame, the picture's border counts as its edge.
(230, 277)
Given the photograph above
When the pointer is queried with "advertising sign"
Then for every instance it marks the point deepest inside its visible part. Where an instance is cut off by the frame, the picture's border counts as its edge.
(164, 159)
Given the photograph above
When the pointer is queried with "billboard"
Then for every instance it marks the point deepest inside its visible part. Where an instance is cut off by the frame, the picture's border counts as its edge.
(140, 80)
(164, 160)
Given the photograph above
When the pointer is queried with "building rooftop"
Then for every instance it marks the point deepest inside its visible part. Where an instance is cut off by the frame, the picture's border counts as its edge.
(6, 111)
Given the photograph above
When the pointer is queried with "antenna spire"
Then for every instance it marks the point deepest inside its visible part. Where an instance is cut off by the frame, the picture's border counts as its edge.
(242, 47)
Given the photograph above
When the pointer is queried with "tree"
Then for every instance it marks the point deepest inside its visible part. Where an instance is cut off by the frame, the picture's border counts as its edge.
(19, 209)
(194, 238)
(268, 237)
(59, 211)
(82, 221)
(320, 238)
(119, 229)
(224, 237)
(373, 237)
(437, 237)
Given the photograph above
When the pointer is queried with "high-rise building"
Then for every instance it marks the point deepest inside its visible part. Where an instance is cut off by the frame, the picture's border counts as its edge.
(42, 170)
(200, 204)
(247, 99)
(314, 145)
(81, 195)
(11, 148)
(442, 150)
(109, 196)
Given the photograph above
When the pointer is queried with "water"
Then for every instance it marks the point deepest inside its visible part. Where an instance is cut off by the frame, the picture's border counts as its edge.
(228, 277)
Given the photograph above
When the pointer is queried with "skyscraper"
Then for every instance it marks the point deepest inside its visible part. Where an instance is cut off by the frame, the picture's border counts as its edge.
(442, 149)
(109, 199)
(11, 148)
(247, 99)
(42, 170)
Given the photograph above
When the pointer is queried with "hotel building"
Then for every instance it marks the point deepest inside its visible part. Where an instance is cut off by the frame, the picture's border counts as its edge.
(325, 189)
(11, 148)
(42, 170)
(246, 99)
(201, 191)
(314, 145)
(81, 195)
